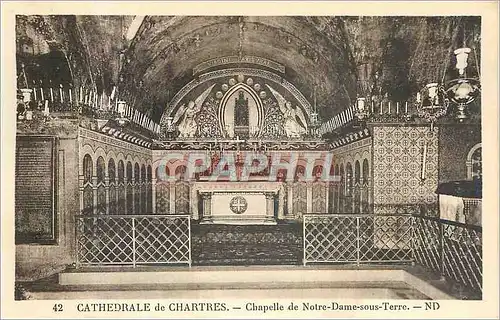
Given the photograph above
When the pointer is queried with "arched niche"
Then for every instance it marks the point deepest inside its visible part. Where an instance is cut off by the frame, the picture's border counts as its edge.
(240, 107)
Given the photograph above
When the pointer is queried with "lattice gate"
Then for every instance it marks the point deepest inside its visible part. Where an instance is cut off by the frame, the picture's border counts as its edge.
(133, 239)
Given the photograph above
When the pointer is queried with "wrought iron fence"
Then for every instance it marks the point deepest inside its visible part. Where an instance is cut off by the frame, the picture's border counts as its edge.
(451, 249)
(133, 239)
(357, 238)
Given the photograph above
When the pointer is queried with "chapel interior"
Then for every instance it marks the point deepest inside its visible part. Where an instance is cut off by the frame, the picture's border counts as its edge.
(111, 109)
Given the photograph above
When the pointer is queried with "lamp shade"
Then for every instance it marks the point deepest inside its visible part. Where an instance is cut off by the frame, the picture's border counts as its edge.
(462, 55)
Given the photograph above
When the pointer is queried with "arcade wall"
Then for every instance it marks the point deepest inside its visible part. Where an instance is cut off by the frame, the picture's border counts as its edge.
(94, 173)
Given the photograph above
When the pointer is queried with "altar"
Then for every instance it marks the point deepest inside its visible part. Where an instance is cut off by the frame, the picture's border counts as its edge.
(245, 203)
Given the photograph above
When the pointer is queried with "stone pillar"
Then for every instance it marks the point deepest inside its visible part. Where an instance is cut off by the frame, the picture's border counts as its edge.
(308, 197)
(327, 196)
(94, 195)
(171, 189)
(106, 188)
(207, 207)
(281, 200)
(132, 186)
(269, 206)
(80, 183)
(289, 186)
(153, 196)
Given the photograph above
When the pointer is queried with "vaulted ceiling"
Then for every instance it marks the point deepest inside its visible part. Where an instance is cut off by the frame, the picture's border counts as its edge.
(328, 56)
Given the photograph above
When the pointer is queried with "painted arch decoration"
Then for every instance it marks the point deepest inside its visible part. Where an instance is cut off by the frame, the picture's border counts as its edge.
(239, 102)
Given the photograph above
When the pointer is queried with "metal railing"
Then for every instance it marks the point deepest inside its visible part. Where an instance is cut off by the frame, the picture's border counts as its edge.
(133, 239)
(450, 248)
(359, 238)
(454, 250)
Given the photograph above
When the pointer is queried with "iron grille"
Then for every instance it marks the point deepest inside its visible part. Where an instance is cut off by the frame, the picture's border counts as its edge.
(451, 249)
(357, 238)
(133, 239)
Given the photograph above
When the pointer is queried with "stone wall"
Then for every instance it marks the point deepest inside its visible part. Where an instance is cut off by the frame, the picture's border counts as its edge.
(35, 261)
(455, 142)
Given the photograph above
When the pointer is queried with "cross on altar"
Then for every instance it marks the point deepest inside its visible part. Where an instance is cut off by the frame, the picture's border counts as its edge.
(238, 205)
(238, 141)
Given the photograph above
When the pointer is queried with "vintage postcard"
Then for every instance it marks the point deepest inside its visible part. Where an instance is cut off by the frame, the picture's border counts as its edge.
(250, 160)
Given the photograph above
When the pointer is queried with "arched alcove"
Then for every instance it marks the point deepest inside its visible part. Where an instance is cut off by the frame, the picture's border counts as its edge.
(240, 111)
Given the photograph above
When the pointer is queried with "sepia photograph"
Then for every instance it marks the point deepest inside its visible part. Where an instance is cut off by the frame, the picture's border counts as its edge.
(306, 165)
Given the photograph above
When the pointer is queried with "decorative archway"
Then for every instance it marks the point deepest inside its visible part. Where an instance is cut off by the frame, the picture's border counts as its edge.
(226, 112)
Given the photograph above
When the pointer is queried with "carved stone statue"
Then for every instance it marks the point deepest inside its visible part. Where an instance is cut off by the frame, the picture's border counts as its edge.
(241, 110)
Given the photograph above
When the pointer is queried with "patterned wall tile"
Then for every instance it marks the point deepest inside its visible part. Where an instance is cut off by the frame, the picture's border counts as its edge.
(398, 158)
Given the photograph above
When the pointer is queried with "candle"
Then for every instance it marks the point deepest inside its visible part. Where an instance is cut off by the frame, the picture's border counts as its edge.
(406, 107)
(373, 106)
(70, 96)
(46, 109)
(51, 95)
(61, 93)
(41, 91)
(389, 107)
(81, 94)
(380, 107)
(397, 107)
(34, 92)
(424, 160)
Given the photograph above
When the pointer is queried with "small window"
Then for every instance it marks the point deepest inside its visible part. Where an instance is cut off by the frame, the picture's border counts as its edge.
(474, 163)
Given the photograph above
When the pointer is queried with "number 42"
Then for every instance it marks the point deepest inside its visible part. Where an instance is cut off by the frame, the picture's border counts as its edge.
(58, 307)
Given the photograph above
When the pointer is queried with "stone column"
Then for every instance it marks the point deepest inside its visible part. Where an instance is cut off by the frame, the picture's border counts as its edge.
(133, 195)
(308, 197)
(106, 188)
(289, 186)
(207, 207)
(171, 189)
(94, 195)
(153, 195)
(80, 183)
(327, 196)
(269, 206)
(281, 202)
